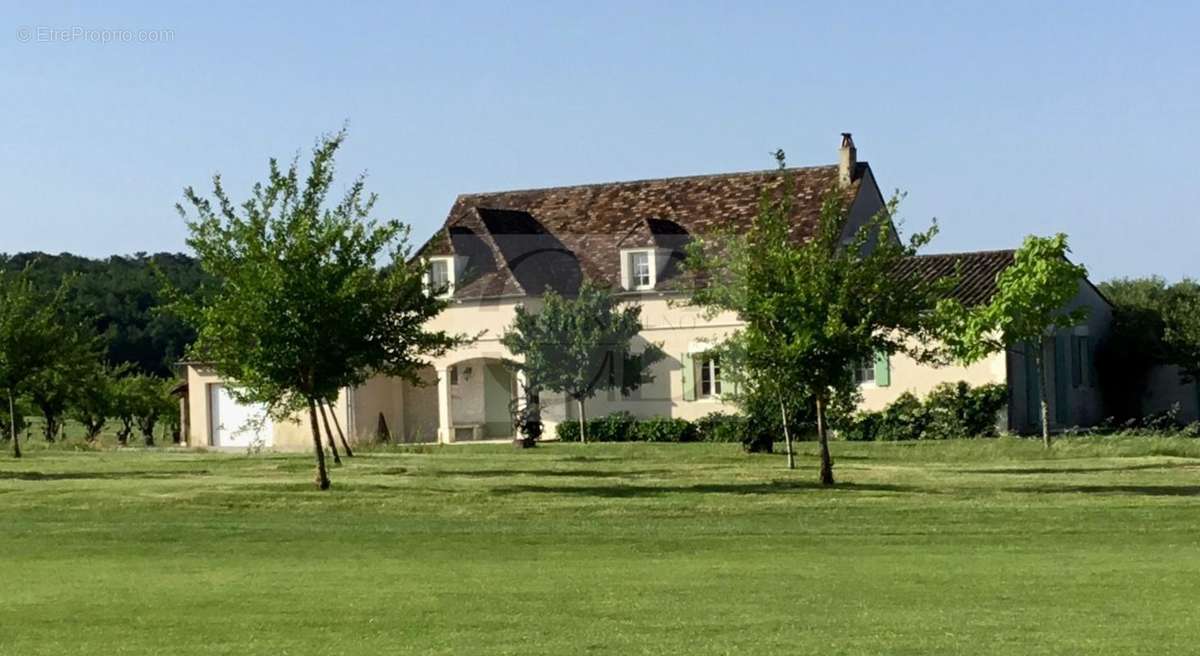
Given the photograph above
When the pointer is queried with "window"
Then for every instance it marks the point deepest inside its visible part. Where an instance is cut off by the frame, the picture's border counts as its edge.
(710, 377)
(639, 270)
(439, 277)
(453, 375)
(865, 372)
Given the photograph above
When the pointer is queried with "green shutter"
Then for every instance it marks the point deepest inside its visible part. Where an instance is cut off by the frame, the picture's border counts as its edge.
(689, 370)
(1089, 352)
(1076, 361)
(883, 370)
(1061, 405)
(1033, 384)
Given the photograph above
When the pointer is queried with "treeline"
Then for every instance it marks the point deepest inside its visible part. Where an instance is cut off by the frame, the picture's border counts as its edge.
(1155, 323)
(120, 297)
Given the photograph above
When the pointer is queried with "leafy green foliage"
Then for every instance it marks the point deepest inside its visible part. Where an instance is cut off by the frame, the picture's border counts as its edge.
(93, 401)
(1032, 300)
(298, 306)
(721, 427)
(623, 427)
(37, 335)
(120, 296)
(1154, 323)
(812, 309)
(578, 346)
(950, 411)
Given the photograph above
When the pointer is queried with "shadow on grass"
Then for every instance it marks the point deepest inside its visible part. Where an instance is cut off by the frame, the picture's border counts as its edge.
(98, 476)
(549, 473)
(628, 491)
(1141, 490)
(1034, 471)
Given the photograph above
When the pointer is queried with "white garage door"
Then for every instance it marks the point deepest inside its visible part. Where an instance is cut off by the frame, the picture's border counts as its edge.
(237, 424)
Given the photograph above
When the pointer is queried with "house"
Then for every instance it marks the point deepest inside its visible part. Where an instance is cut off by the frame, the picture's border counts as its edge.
(499, 250)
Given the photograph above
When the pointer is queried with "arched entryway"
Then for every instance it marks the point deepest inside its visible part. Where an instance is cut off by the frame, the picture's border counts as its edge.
(476, 399)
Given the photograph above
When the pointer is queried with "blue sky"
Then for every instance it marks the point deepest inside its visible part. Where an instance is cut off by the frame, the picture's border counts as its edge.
(999, 119)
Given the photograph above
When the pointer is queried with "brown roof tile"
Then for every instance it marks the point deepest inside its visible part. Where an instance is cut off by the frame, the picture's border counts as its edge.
(977, 272)
(527, 241)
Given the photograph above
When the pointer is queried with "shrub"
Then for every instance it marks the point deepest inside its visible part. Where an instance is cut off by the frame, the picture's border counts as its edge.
(567, 431)
(951, 410)
(665, 429)
(721, 427)
(616, 427)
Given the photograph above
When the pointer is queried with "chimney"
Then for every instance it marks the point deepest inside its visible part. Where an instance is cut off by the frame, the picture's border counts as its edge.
(847, 160)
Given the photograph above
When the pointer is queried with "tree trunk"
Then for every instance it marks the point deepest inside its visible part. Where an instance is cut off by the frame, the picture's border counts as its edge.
(787, 435)
(324, 419)
(1045, 400)
(12, 424)
(322, 477)
(337, 460)
(823, 438)
(341, 435)
(582, 422)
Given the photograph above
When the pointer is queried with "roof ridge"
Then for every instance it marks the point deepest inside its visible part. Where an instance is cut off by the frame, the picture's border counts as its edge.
(677, 178)
(996, 251)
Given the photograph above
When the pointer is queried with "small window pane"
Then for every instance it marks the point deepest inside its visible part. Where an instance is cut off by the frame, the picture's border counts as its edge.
(439, 276)
(865, 372)
(710, 377)
(640, 270)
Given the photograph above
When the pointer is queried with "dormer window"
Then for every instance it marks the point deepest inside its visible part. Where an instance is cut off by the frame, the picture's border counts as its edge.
(442, 275)
(642, 267)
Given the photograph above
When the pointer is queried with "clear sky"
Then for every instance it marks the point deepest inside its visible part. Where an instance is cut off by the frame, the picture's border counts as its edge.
(998, 118)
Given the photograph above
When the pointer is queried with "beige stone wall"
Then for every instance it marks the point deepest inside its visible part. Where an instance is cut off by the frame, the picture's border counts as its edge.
(291, 433)
(908, 375)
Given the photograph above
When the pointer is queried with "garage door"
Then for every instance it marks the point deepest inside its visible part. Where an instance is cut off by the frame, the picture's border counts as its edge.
(237, 424)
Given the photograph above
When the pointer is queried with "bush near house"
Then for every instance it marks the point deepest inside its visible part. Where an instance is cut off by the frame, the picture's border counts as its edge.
(623, 427)
(950, 411)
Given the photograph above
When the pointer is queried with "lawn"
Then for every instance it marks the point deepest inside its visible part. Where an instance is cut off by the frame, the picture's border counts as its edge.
(985, 546)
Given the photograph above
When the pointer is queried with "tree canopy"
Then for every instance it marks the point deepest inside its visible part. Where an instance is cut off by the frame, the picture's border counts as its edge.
(578, 346)
(813, 309)
(120, 297)
(1032, 299)
(299, 306)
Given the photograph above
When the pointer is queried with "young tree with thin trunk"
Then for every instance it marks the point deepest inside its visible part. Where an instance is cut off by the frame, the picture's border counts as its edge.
(36, 335)
(300, 306)
(1031, 302)
(813, 308)
(579, 346)
(336, 424)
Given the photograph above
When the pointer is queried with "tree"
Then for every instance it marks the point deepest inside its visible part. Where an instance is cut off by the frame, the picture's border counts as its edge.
(298, 307)
(125, 405)
(579, 346)
(812, 309)
(120, 297)
(33, 334)
(1134, 344)
(1182, 327)
(1031, 301)
(93, 403)
(150, 401)
(53, 389)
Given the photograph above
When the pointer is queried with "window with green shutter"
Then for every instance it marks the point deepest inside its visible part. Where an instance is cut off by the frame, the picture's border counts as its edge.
(689, 381)
(1077, 356)
(883, 370)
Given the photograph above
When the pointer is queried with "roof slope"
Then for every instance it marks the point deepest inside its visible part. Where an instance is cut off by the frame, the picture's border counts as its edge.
(528, 241)
(976, 272)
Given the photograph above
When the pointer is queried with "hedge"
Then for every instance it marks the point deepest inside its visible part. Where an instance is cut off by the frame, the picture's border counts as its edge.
(949, 411)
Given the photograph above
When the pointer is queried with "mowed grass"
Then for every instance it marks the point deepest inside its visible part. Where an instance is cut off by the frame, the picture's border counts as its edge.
(984, 546)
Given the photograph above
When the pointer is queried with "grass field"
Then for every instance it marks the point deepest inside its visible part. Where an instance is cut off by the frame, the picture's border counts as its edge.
(986, 546)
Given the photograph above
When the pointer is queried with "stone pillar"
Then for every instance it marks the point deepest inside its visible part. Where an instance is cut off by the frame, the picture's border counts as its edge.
(445, 411)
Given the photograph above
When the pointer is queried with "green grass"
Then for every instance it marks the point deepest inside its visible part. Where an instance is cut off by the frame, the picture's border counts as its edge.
(984, 546)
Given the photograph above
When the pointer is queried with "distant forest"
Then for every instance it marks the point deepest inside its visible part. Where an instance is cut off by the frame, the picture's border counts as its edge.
(121, 295)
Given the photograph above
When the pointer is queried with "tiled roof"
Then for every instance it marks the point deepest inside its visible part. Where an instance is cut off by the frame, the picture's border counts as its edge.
(524, 242)
(977, 272)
